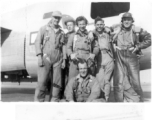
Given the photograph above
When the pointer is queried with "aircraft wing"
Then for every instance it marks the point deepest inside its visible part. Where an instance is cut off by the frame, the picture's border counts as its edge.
(108, 9)
(3, 30)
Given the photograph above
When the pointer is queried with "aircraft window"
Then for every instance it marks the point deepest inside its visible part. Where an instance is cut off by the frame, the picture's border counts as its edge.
(33, 37)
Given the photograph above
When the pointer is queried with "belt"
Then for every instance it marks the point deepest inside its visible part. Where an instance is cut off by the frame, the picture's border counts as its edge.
(123, 47)
(83, 51)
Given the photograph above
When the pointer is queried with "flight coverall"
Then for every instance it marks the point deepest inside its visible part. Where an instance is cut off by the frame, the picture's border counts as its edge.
(105, 62)
(82, 46)
(127, 85)
(50, 44)
(83, 89)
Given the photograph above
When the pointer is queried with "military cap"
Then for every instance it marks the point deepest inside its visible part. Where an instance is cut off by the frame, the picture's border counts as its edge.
(56, 14)
(127, 15)
(68, 18)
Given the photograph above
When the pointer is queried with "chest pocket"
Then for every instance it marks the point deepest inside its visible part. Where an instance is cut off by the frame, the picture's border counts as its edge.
(82, 43)
(128, 39)
(82, 90)
(53, 40)
(120, 38)
(46, 37)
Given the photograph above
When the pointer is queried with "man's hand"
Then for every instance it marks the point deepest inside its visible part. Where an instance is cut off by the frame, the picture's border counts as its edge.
(107, 30)
(92, 56)
(73, 56)
(63, 64)
(40, 61)
(133, 49)
(115, 33)
(90, 36)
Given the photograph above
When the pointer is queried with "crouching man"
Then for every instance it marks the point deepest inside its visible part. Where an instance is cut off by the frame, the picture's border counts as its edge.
(84, 87)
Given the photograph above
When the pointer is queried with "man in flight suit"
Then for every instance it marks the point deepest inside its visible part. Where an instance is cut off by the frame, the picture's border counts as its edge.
(84, 87)
(81, 45)
(69, 22)
(105, 60)
(128, 40)
(50, 51)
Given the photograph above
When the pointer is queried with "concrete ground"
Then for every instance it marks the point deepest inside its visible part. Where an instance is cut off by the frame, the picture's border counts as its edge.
(13, 92)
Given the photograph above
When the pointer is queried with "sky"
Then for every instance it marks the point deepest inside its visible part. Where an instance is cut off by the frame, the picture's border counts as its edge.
(141, 10)
(10, 5)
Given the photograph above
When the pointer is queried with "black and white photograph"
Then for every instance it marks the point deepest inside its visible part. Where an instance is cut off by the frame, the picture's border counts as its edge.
(76, 51)
(75, 59)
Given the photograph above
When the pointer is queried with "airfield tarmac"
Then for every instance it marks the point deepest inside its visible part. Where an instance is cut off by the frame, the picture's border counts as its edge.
(13, 92)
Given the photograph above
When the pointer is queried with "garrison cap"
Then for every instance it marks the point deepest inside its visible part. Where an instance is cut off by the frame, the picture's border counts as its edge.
(68, 18)
(56, 14)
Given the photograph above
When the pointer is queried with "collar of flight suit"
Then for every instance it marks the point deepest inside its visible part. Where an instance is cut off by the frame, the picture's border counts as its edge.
(126, 30)
(80, 79)
(82, 34)
(50, 25)
(70, 32)
(100, 35)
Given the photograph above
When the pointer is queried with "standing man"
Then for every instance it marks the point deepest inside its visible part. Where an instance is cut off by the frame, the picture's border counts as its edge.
(129, 41)
(81, 45)
(84, 87)
(105, 60)
(50, 51)
(69, 22)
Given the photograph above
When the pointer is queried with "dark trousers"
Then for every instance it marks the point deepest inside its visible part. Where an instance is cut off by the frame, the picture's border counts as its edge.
(65, 75)
(126, 77)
